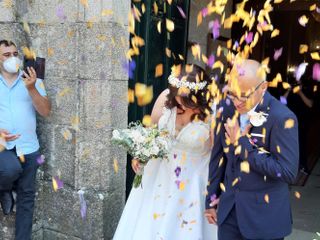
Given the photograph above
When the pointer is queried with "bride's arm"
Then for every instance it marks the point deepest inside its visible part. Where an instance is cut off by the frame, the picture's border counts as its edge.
(158, 107)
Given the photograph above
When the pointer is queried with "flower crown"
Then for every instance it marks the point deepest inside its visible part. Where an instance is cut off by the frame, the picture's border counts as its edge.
(176, 82)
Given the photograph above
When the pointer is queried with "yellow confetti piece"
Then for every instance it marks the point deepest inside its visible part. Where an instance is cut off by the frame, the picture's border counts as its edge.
(54, 184)
(84, 3)
(278, 149)
(182, 186)
(297, 194)
(159, 70)
(196, 51)
(278, 1)
(26, 27)
(235, 181)
(106, 12)
(170, 25)
(75, 120)
(223, 188)
(226, 150)
(143, 8)
(159, 27)
(64, 92)
(303, 48)
(28, 53)
(115, 165)
(147, 121)
(170, 2)
(286, 85)
(275, 33)
(315, 56)
(289, 123)
(237, 151)
(221, 161)
(218, 64)
(266, 198)
(303, 20)
(245, 167)
(313, 7)
(22, 158)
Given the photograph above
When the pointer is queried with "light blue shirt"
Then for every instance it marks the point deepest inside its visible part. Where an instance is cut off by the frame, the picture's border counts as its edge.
(18, 115)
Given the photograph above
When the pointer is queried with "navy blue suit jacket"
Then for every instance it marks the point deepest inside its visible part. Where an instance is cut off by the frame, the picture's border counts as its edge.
(261, 197)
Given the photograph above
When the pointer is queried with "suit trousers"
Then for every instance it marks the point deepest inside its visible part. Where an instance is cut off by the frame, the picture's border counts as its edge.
(20, 175)
(229, 229)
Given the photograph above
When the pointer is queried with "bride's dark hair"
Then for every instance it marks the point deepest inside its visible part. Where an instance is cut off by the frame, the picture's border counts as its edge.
(194, 99)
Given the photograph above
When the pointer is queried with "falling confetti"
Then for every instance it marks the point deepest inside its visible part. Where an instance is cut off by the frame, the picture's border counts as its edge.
(275, 33)
(266, 198)
(183, 15)
(177, 171)
(222, 187)
(300, 70)
(245, 167)
(303, 48)
(169, 25)
(40, 159)
(115, 165)
(159, 70)
(84, 3)
(297, 194)
(316, 72)
(303, 20)
(147, 121)
(83, 204)
(277, 54)
(56, 183)
(289, 123)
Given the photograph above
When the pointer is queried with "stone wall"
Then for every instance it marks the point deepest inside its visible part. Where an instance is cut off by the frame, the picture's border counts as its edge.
(84, 43)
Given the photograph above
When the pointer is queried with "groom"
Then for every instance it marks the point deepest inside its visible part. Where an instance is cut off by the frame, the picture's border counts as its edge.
(254, 158)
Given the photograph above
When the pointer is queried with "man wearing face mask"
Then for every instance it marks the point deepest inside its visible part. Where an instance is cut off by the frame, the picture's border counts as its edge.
(21, 95)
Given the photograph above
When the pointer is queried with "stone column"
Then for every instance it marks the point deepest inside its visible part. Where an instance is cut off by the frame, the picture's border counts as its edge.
(84, 43)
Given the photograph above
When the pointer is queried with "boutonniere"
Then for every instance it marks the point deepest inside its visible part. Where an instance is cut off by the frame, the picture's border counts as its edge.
(257, 118)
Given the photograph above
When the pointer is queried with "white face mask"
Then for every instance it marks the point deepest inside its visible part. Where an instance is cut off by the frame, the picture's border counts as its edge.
(12, 64)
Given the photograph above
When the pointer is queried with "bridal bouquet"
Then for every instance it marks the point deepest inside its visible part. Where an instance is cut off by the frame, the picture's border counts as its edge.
(143, 144)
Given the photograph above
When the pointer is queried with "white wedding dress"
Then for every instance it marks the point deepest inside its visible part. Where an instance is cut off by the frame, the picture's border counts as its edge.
(170, 204)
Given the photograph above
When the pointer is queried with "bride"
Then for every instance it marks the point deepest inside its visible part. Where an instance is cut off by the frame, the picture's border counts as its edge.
(170, 204)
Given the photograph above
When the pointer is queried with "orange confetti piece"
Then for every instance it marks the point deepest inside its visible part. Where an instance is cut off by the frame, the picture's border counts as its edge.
(75, 122)
(84, 3)
(130, 96)
(50, 52)
(155, 8)
(22, 158)
(297, 194)
(296, 89)
(199, 19)
(286, 85)
(266, 198)
(29, 53)
(7, 3)
(159, 70)
(303, 48)
(289, 123)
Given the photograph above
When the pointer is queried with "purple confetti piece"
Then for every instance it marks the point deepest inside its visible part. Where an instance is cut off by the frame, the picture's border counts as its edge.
(249, 37)
(278, 174)
(181, 12)
(177, 182)
(317, 10)
(216, 29)
(255, 140)
(83, 204)
(40, 159)
(60, 13)
(204, 12)
(211, 60)
(228, 102)
(129, 67)
(277, 54)
(316, 72)
(213, 197)
(236, 44)
(240, 70)
(283, 100)
(177, 171)
(174, 156)
(300, 70)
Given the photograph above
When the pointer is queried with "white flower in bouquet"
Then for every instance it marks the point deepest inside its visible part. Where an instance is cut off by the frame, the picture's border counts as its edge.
(143, 144)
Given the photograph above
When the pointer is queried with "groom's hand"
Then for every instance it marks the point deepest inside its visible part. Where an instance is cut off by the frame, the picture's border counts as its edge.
(211, 215)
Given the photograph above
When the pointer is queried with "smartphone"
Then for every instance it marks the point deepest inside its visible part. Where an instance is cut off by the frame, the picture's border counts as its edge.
(38, 64)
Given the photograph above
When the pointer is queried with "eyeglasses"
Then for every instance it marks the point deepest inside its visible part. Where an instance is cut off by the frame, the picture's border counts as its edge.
(233, 96)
